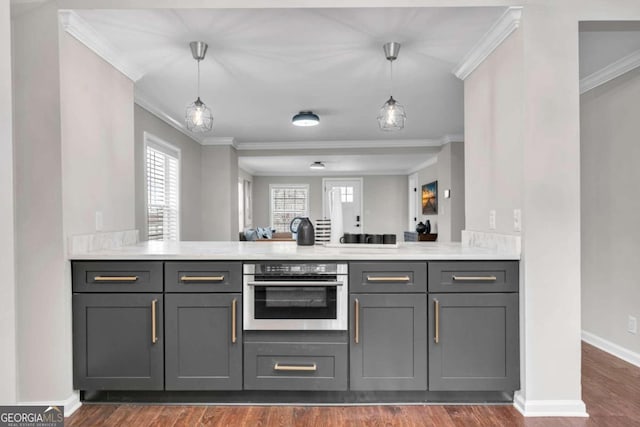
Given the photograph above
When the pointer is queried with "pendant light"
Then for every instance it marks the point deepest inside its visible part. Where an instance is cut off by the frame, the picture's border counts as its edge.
(198, 116)
(392, 116)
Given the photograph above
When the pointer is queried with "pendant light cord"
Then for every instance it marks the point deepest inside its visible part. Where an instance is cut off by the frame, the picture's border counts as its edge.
(391, 74)
(198, 93)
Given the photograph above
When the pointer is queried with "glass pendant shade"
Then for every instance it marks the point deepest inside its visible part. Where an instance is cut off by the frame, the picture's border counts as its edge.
(198, 117)
(392, 116)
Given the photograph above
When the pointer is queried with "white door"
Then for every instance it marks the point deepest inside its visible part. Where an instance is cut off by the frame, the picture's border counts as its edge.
(351, 196)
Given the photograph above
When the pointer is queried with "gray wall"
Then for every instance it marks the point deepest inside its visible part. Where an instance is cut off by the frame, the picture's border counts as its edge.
(8, 377)
(384, 198)
(190, 174)
(449, 172)
(219, 192)
(610, 205)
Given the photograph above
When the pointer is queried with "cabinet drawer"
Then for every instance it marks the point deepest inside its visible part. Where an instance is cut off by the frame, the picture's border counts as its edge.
(117, 276)
(295, 366)
(473, 276)
(388, 277)
(195, 276)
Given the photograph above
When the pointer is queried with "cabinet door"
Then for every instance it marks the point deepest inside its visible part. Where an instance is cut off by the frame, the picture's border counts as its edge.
(204, 342)
(118, 342)
(473, 342)
(388, 342)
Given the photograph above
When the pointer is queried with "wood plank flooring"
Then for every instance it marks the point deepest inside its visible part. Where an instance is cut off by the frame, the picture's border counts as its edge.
(610, 387)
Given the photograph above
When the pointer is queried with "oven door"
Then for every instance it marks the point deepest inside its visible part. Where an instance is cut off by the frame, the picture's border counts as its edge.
(295, 305)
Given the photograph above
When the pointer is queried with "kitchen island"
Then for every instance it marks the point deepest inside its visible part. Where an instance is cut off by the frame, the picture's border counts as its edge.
(280, 323)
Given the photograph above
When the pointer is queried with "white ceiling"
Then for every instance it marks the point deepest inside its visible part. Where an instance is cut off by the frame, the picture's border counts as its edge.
(265, 65)
(602, 43)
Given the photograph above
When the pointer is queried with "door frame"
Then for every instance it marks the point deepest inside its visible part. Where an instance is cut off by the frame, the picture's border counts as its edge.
(346, 178)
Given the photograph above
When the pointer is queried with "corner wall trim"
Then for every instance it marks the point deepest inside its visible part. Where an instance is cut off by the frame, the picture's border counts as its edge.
(611, 348)
(503, 27)
(70, 404)
(549, 408)
(73, 24)
(610, 72)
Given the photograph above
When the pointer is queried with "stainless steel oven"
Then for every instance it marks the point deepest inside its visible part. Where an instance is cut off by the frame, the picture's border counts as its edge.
(295, 296)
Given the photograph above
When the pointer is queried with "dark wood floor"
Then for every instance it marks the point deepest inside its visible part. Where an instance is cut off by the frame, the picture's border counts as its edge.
(610, 387)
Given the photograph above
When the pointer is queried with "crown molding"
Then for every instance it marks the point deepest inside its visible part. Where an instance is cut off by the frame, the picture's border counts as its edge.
(452, 138)
(301, 145)
(143, 102)
(503, 27)
(610, 72)
(432, 161)
(220, 140)
(73, 24)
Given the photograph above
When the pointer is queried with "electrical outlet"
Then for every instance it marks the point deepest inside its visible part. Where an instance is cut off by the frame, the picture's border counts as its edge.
(492, 219)
(517, 220)
(632, 325)
(99, 222)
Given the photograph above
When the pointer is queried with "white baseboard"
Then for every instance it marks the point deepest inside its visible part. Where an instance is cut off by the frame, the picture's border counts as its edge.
(70, 404)
(611, 348)
(549, 408)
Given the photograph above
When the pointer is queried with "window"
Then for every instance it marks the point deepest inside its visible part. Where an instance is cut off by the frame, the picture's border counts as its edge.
(346, 194)
(287, 202)
(162, 164)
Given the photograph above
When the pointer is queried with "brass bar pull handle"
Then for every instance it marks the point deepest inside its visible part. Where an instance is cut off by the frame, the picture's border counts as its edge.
(115, 278)
(308, 368)
(388, 278)
(356, 334)
(474, 278)
(154, 331)
(234, 309)
(436, 307)
(201, 278)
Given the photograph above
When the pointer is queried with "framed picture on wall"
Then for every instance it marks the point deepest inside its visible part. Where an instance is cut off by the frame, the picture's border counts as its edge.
(430, 198)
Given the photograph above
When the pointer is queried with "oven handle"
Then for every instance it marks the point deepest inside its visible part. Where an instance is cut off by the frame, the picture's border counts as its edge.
(293, 284)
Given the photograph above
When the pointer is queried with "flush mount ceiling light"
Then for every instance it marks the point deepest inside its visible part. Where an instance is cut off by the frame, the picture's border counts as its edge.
(317, 165)
(305, 118)
(198, 116)
(391, 116)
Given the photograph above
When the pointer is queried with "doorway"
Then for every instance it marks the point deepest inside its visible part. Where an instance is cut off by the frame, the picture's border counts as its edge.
(351, 197)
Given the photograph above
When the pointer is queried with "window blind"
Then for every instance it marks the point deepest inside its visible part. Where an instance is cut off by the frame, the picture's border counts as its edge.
(162, 194)
(288, 202)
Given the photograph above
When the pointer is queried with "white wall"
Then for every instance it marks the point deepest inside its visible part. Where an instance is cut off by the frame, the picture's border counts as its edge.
(219, 191)
(43, 291)
(245, 176)
(8, 379)
(190, 174)
(97, 141)
(493, 137)
(609, 129)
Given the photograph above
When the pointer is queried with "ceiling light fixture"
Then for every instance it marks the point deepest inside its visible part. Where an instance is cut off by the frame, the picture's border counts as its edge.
(317, 165)
(305, 118)
(392, 114)
(198, 116)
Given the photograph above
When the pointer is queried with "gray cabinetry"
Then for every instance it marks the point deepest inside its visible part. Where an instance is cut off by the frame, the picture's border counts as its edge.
(117, 276)
(287, 360)
(202, 276)
(203, 341)
(473, 326)
(388, 342)
(473, 344)
(118, 341)
(388, 277)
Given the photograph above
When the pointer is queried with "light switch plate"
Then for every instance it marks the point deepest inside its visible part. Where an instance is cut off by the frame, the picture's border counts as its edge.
(492, 219)
(517, 220)
(632, 325)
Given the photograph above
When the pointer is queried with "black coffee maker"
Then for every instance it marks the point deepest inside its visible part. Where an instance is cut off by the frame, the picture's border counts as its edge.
(306, 234)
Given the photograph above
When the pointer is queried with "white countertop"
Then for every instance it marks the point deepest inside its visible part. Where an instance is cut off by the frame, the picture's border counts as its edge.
(156, 250)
